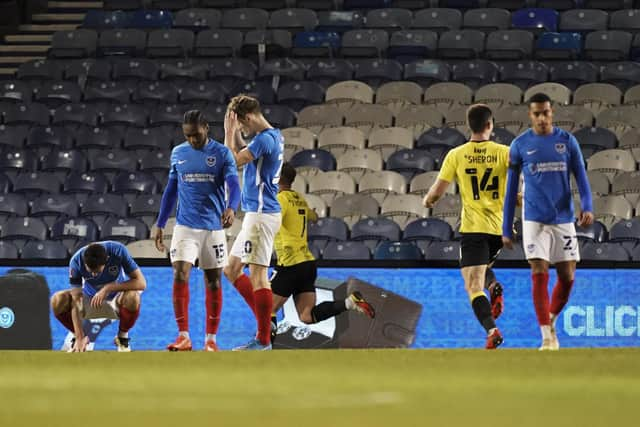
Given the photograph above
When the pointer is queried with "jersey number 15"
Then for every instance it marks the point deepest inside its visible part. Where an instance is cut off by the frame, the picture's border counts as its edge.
(483, 185)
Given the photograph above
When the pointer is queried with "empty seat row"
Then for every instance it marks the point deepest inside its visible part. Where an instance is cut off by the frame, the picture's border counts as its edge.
(601, 45)
(299, 19)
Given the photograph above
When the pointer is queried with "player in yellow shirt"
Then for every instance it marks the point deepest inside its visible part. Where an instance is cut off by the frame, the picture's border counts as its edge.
(296, 271)
(480, 168)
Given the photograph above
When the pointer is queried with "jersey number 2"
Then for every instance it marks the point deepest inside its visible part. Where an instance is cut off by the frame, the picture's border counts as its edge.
(483, 185)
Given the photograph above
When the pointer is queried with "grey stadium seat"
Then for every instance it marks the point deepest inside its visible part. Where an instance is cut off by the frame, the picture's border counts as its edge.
(509, 45)
(73, 44)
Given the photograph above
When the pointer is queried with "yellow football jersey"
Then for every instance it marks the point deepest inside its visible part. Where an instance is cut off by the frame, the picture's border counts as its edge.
(480, 168)
(291, 241)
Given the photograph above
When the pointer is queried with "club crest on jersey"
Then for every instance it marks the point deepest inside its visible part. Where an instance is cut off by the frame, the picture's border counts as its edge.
(113, 270)
(211, 161)
(531, 247)
(561, 148)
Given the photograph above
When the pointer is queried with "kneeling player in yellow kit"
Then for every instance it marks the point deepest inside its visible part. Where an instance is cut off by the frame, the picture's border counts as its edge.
(296, 271)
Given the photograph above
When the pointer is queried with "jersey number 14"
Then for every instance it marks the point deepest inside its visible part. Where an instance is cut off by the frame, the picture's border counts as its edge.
(483, 184)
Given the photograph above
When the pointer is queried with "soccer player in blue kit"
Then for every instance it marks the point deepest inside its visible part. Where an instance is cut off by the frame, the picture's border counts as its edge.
(99, 289)
(262, 159)
(546, 156)
(200, 168)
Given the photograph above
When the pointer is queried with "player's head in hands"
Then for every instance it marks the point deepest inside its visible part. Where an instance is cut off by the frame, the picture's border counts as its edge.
(195, 128)
(480, 121)
(287, 176)
(95, 258)
(249, 114)
(541, 114)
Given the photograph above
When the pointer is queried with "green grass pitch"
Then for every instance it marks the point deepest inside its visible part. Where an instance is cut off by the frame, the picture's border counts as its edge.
(391, 388)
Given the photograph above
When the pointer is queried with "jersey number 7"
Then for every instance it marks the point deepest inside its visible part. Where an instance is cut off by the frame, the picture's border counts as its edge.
(483, 185)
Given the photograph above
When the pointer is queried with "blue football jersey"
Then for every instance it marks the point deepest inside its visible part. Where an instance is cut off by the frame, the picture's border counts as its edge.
(260, 179)
(119, 264)
(546, 162)
(201, 178)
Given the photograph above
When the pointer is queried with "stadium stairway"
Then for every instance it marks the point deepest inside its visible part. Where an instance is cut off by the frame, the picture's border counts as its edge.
(34, 39)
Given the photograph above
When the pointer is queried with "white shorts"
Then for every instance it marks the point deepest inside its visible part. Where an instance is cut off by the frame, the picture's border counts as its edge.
(208, 246)
(107, 310)
(551, 242)
(254, 244)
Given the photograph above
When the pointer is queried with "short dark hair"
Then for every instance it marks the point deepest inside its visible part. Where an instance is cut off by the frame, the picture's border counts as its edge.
(244, 104)
(288, 174)
(95, 256)
(478, 115)
(539, 98)
(194, 117)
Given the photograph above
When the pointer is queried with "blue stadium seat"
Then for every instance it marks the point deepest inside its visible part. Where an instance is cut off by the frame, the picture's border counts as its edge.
(85, 183)
(48, 249)
(524, 74)
(316, 43)
(8, 250)
(427, 72)
(536, 20)
(328, 72)
(319, 159)
(103, 20)
(410, 162)
(328, 229)
(349, 250)
(373, 230)
(124, 230)
(427, 229)
(398, 251)
(151, 19)
(604, 252)
(339, 21)
(559, 46)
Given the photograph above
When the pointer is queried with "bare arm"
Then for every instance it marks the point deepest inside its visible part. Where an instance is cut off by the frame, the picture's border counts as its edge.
(436, 191)
(136, 282)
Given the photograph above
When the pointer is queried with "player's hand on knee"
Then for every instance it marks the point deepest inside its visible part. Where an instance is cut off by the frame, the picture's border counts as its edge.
(98, 298)
(228, 216)
(585, 218)
(507, 242)
(159, 242)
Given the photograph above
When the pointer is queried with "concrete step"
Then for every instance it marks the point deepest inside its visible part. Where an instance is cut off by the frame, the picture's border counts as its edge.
(17, 60)
(14, 50)
(58, 17)
(46, 29)
(28, 39)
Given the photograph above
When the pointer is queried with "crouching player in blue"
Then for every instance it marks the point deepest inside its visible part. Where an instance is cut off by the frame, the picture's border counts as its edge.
(99, 289)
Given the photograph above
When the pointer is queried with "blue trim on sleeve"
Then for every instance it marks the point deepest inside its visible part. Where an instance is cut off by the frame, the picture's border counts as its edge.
(168, 201)
(233, 183)
(511, 195)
